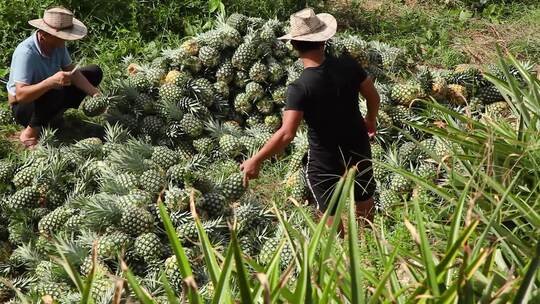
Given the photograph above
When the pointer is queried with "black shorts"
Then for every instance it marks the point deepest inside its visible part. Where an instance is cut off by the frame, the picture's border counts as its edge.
(324, 168)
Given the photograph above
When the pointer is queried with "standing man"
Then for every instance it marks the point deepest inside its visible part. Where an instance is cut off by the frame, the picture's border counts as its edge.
(326, 96)
(42, 82)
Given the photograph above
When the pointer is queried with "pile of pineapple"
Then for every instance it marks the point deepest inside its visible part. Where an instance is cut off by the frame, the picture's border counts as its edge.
(177, 129)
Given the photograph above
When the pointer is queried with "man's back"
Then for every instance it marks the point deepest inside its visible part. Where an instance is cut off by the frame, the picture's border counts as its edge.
(328, 96)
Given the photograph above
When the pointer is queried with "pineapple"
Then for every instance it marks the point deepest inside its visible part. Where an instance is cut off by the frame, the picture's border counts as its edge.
(238, 22)
(152, 125)
(54, 221)
(273, 121)
(94, 106)
(388, 198)
(254, 91)
(241, 79)
(270, 247)
(191, 47)
(499, 109)
(276, 72)
(6, 117)
(225, 72)
(457, 94)
(409, 151)
(149, 247)
(399, 183)
(232, 187)
(213, 204)
(27, 197)
(489, 94)
(279, 95)
(136, 221)
(204, 145)
(139, 81)
(191, 125)
(258, 72)
(152, 181)
(172, 272)
(193, 64)
(170, 93)
(110, 244)
(203, 91)
(222, 89)
(55, 290)
(25, 176)
(298, 185)
(209, 56)
(7, 170)
(425, 79)
(242, 103)
(230, 36)
(144, 102)
(357, 49)
(230, 145)
(164, 157)
(244, 55)
(265, 106)
(405, 94)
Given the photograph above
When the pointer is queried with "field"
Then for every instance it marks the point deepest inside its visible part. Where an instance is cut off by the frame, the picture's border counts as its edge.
(138, 198)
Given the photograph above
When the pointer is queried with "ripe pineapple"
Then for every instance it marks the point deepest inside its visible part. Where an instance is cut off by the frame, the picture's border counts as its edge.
(191, 47)
(27, 197)
(149, 247)
(94, 106)
(497, 110)
(457, 94)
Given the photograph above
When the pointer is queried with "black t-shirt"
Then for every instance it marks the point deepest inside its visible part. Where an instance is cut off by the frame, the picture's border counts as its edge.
(328, 96)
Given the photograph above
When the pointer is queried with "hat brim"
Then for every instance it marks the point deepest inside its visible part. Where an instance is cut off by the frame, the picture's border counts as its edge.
(76, 32)
(325, 33)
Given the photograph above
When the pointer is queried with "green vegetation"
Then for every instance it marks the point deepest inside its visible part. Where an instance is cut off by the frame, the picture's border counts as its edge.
(144, 203)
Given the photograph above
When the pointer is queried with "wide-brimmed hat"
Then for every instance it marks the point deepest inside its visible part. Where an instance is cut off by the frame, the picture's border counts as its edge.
(306, 26)
(60, 23)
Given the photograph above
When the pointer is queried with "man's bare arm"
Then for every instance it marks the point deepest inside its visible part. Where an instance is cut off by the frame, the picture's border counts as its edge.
(369, 92)
(26, 93)
(78, 79)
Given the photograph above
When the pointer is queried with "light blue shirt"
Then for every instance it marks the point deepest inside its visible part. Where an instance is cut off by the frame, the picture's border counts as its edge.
(29, 65)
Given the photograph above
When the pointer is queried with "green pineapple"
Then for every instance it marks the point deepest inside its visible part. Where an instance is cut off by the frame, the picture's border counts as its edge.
(230, 145)
(187, 231)
(489, 94)
(110, 244)
(172, 272)
(399, 183)
(6, 117)
(203, 91)
(149, 247)
(56, 290)
(152, 181)
(230, 37)
(204, 145)
(136, 221)
(241, 79)
(222, 89)
(171, 93)
(27, 197)
(427, 170)
(259, 72)
(265, 106)
(245, 55)
(279, 49)
(164, 157)
(276, 72)
(192, 64)
(497, 110)
(254, 91)
(209, 56)
(139, 81)
(388, 198)
(94, 106)
(213, 204)
(7, 170)
(232, 187)
(273, 121)
(270, 247)
(405, 94)
(152, 125)
(211, 38)
(242, 103)
(357, 49)
(25, 176)
(238, 21)
(177, 199)
(225, 72)
(409, 151)
(54, 221)
(191, 125)
(425, 79)
(279, 95)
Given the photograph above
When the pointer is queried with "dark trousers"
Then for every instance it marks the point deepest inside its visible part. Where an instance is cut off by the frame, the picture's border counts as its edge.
(41, 111)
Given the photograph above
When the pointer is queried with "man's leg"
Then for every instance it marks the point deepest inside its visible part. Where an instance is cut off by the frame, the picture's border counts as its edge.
(365, 212)
(74, 95)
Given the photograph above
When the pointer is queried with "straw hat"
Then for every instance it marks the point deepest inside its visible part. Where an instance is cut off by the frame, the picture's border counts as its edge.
(306, 26)
(60, 23)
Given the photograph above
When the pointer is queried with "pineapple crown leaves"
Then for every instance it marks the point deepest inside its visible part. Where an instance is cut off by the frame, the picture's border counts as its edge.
(172, 110)
(116, 133)
(101, 210)
(26, 255)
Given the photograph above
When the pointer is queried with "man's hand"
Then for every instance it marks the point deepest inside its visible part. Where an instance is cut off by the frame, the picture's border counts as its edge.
(371, 126)
(96, 93)
(60, 79)
(251, 169)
